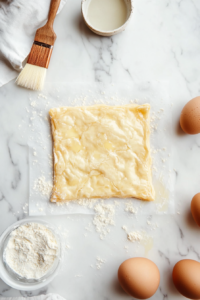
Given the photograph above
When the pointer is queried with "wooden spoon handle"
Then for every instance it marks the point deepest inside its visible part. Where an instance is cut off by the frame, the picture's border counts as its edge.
(52, 12)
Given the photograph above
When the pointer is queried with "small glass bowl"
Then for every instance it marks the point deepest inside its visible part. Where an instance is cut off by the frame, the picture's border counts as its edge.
(13, 279)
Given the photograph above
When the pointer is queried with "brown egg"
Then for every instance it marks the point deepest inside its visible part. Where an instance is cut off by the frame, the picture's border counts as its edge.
(190, 116)
(186, 274)
(139, 277)
(195, 208)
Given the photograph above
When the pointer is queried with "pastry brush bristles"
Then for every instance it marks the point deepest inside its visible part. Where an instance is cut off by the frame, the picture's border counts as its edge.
(32, 77)
(34, 72)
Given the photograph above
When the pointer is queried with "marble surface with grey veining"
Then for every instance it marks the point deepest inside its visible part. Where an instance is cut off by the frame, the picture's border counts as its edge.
(161, 43)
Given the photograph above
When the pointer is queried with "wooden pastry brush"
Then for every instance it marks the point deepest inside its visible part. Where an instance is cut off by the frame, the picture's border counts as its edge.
(33, 74)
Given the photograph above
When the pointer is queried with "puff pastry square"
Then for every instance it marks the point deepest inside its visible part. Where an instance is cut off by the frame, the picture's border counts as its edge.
(101, 152)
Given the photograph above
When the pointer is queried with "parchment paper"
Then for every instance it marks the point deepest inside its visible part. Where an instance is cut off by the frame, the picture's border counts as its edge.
(40, 143)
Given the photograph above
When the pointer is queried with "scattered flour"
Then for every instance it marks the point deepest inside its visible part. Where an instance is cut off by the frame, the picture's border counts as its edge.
(103, 218)
(33, 103)
(126, 248)
(25, 208)
(152, 226)
(135, 236)
(155, 117)
(129, 208)
(124, 228)
(42, 96)
(87, 202)
(143, 238)
(43, 186)
(99, 263)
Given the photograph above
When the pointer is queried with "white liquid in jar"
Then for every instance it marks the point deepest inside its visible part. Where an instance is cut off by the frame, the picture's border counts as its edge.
(107, 15)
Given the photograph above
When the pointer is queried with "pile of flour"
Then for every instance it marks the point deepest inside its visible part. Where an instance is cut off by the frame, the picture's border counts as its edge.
(31, 250)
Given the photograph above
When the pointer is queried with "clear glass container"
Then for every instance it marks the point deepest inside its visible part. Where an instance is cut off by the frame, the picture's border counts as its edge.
(13, 279)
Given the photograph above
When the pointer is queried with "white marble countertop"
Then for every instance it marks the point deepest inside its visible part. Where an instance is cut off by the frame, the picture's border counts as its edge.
(161, 43)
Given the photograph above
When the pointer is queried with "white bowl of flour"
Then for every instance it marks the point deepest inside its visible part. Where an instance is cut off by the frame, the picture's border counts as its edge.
(30, 254)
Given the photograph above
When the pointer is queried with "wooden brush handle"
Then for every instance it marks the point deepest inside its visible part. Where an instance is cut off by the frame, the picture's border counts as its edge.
(46, 33)
(52, 12)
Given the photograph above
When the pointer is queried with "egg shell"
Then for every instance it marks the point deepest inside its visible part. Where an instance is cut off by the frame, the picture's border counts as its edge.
(139, 277)
(186, 278)
(190, 117)
(195, 208)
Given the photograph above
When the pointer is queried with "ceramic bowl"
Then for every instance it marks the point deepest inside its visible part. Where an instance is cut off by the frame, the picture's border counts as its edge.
(14, 280)
(85, 5)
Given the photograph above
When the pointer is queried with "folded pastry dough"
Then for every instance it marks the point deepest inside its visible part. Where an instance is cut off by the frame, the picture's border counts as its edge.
(101, 152)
